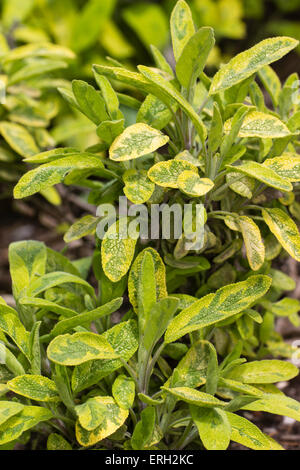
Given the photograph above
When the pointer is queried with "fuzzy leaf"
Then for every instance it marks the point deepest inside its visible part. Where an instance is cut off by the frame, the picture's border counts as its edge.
(159, 272)
(83, 227)
(19, 139)
(35, 387)
(71, 350)
(123, 338)
(267, 371)
(91, 413)
(287, 166)
(191, 184)
(284, 229)
(138, 187)
(53, 173)
(227, 301)
(248, 62)
(258, 124)
(137, 140)
(182, 27)
(166, 174)
(254, 244)
(154, 112)
(191, 62)
(123, 391)
(12, 326)
(213, 427)
(246, 433)
(112, 419)
(29, 417)
(263, 174)
(117, 251)
(276, 404)
(194, 397)
(9, 409)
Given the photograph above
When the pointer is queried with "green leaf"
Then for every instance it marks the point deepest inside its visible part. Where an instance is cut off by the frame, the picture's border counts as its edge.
(19, 139)
(35, 349)
(166, 174)
(248, 62)
(284, 229)
(267, 371)
(216, 130)
(191, 184)
(110, 96)
(11, 326)
(48, 305)
(108, 131)
(242, 185)
(271, 82)
(55, 279)
(263, 174)
(112, 419)
(258, 124)
(159, 273)
(27, 261)
(194, 397)
(154, 112)
(9, 409)
(144, 429)
(246, 433)
(192, 369)
(29, 417)
(90, 101)
(86, 318)
(213, 426)
(35, 68)
(57, 442)
(227, 301)
(255, 248)
(83, 227)
(138, 187)
(71, 350)
(123, 338)
(276, 404)
(182, 27)
(117, 250)
(123, 391)
(287, 166)
(50, 155)
(191, 62)
(158, 320)
(35, 387)
(51, 51)
(169, 92)
(53, 173)
(137, 140)
(91, 413)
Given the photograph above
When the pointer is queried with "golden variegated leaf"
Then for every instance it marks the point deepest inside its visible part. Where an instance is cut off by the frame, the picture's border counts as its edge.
(182, 27)
(191, 184)
(258, 124)
(255, 248)
(284, 229)
(287, 166)
(263, 174)
(19, 139)
(194, 397)
(166, 173)
(137, 140)
(35, 387)
(138, 187)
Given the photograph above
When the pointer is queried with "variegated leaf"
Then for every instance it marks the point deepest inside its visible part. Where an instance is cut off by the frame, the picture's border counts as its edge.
(12, 326)
(137, 140)
(117, 250)
(182, 27)
(242, 185)
(159, 272)
(284, 229)
(248, 62)
(29, 417)
(154, 112)
(53, 173)
(113, 418)
(277, 404)
(194, 397)
(213, 426)
(123, 391)
(138, 187)
(19, 139)
(91, 413)
(9, 409)
(287, 166)
(35, 387)
(267, 371)
(191, 184)
(71, 350)
(263, 174)
(255, 248)
(227, 301)
(83, 227)
(166, 173)
(258, 124)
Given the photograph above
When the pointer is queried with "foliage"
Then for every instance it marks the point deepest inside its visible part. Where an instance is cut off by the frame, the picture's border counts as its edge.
(174, 365)
(82, 381)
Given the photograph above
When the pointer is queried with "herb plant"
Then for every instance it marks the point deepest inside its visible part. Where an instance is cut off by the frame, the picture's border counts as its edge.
(81, 381)
(214, 142)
